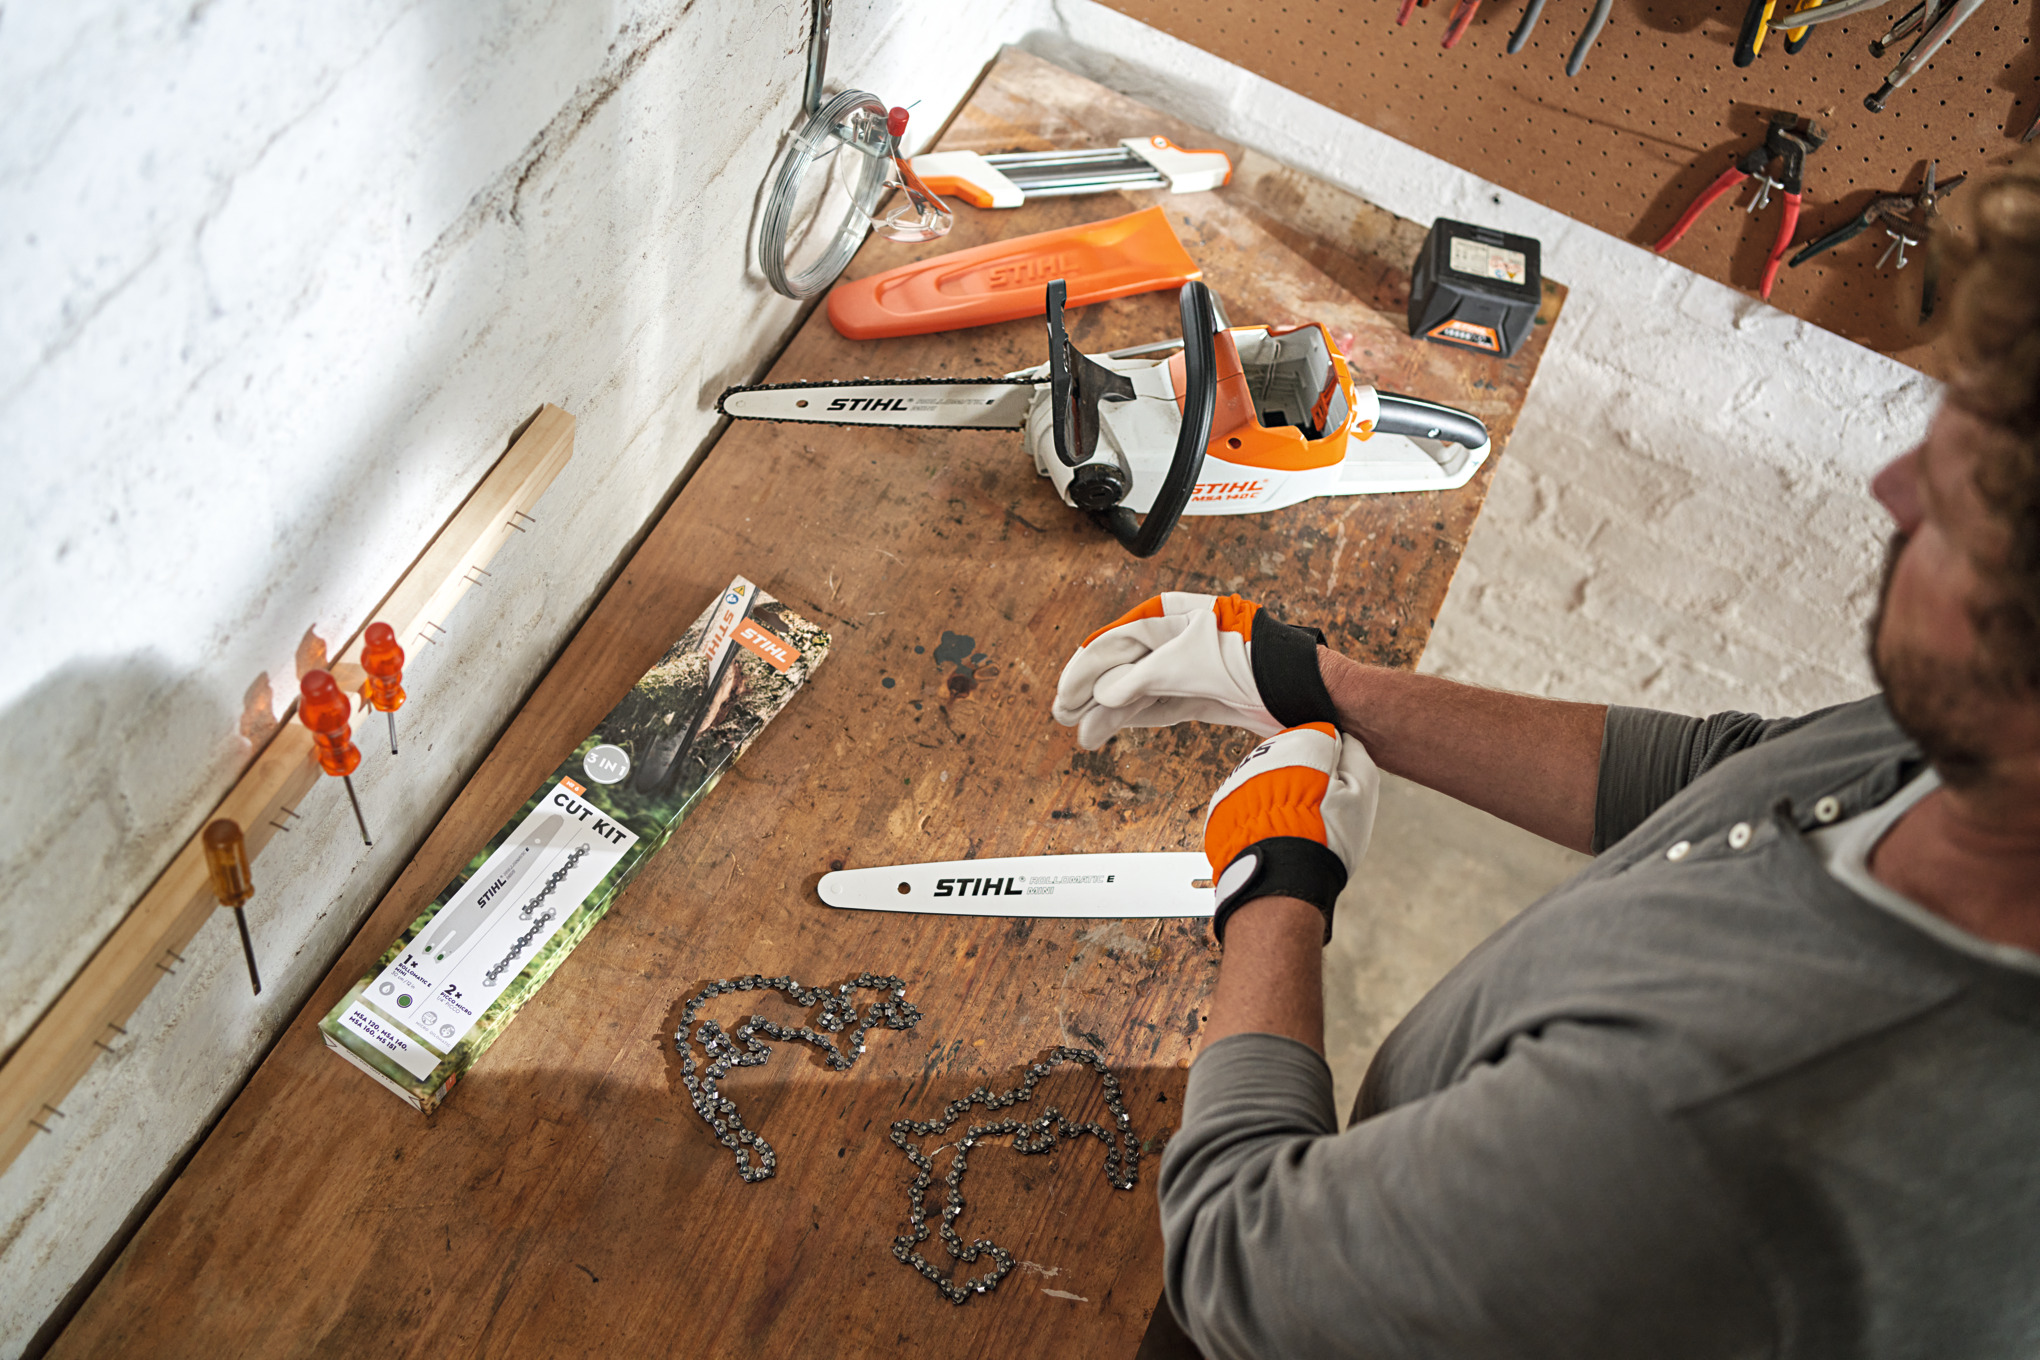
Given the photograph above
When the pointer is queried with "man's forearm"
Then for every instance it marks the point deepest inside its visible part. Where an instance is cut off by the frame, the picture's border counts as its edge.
(1533, 762)
(1270, 980)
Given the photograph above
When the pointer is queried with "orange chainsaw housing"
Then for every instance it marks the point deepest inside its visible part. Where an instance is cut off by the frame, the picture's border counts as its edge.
(1008, 280)
(1237, 434)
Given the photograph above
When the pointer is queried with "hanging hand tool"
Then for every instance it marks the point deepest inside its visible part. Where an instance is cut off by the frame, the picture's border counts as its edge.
(1805, 18)
(1895, 213)
(1795, 38)
(324, 709)
(1938, 30)
(2032, 131)
(1889, 206)
(1245, 419)
(1596, 21)
(1523, 26)
(1750, 40)
(383, 659)
(226, 864)
(1930, 214)
(1788, 140)
(1461, 17)
(1402, 15)
(1905, 23)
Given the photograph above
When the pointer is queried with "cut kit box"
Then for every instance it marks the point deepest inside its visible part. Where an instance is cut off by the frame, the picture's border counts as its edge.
(439, 995)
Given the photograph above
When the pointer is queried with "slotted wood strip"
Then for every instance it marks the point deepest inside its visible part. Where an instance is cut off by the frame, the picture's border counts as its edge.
(566, 1199)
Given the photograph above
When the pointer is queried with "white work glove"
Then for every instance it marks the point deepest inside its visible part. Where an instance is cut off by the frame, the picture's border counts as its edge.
(1180, 657)
(1292, 821)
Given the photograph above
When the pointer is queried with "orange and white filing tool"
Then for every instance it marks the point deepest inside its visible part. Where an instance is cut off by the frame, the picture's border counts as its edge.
(1009, 178)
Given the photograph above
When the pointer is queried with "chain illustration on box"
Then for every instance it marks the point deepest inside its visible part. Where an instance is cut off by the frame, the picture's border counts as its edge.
(523, 941)
(743, 1049)
(1032, 1136)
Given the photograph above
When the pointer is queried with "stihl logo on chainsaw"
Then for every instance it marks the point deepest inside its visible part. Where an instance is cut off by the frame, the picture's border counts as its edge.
(1229, 491)
(872, 404)
(1028, 271)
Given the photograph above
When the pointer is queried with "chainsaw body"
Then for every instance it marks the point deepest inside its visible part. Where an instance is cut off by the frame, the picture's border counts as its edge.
(1288, 425)
(1238, 420)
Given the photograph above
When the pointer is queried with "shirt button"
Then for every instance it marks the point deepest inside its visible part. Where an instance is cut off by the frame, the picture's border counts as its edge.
(1739, 835)
(1678, 851)
(1827, 809)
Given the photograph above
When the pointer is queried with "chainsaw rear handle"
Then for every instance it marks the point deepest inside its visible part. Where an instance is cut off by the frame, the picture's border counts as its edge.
(1200, 400)
(1429, 420)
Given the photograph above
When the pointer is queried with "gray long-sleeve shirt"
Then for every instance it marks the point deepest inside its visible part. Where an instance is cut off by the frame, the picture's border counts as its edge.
(1699, 1102)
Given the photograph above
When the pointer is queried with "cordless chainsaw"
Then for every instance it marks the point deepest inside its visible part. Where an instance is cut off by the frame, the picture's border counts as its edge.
(1241, 419)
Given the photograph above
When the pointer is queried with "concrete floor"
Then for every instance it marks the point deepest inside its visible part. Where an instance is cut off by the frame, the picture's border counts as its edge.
(1438, 879)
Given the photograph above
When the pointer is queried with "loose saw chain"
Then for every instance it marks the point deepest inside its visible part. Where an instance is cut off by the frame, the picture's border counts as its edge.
(1001, 380)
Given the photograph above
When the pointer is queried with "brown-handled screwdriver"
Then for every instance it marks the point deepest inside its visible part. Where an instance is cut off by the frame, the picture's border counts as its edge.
(226, 863)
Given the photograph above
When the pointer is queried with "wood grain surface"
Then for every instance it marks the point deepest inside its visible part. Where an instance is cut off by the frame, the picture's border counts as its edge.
(567, 1200)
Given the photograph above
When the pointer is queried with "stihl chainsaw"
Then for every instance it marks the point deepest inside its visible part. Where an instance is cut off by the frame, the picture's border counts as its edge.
(1242, 419)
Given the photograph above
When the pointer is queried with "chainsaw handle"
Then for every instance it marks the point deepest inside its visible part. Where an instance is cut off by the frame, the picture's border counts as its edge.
(1200, 400)
(1429, 420)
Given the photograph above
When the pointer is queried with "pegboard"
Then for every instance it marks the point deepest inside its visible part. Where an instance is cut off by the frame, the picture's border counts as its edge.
(1659, 110)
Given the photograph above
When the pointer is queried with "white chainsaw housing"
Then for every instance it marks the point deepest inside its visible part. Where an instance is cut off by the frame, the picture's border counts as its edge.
(1140, 435)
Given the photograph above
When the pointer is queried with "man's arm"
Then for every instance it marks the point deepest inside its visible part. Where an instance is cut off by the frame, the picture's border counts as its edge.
(1540, 1207)
(1270, 980)
(1533, 762)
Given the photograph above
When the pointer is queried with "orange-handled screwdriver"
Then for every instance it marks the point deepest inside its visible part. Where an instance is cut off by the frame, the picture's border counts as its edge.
(383, 659)
(324, 709)
(226, 863)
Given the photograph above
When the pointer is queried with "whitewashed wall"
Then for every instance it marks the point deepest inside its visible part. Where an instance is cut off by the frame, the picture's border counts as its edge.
(278, 280)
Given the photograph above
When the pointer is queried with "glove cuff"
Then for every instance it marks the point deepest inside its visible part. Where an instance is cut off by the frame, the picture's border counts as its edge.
(1286, 672)
(1281, 866)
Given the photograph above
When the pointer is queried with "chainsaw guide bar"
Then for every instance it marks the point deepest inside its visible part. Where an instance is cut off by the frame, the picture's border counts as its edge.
(912, 403)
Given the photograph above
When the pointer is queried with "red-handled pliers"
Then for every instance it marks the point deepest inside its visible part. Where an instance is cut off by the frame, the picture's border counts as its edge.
(1789, 140)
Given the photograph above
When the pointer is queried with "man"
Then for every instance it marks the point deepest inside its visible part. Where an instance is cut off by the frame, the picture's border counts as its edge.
(1764, 1080)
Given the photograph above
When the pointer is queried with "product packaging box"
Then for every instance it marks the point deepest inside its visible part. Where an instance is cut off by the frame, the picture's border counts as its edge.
(443, 991)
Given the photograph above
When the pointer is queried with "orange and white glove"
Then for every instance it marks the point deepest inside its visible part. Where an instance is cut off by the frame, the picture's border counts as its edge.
(1292, 821)
(1193, 658)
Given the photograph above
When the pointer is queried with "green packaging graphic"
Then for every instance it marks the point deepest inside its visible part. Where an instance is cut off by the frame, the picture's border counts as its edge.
(453, 981)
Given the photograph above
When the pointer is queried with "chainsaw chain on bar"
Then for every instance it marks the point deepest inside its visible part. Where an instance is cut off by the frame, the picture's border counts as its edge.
(517, 949)
(1038, 1135)
(1000, 381)
(742, 1049)
(524, 941)
(558, 877)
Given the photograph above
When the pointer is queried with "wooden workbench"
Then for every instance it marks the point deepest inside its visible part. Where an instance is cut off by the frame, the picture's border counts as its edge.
(567, 1200)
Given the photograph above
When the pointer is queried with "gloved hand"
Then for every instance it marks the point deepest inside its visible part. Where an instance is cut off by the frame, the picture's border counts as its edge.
(1293, 820)
(1193, 658)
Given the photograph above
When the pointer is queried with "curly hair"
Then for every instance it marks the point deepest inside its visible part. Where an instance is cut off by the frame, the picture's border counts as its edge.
(1994, 321)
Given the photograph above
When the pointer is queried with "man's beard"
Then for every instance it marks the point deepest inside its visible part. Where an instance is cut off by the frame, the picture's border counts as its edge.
(1934, 700)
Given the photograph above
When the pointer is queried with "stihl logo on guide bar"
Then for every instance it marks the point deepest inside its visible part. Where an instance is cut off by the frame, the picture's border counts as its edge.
(872, 404)
(990, 887)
